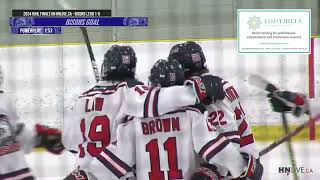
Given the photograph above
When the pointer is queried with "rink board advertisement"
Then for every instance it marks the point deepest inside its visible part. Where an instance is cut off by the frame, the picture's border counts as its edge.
(274, 30)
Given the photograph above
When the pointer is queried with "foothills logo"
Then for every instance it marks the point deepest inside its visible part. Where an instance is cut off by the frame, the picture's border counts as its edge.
(254, 22)
(298, 170)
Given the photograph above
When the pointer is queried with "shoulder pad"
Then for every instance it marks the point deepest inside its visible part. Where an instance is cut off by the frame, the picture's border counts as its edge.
(133, 82)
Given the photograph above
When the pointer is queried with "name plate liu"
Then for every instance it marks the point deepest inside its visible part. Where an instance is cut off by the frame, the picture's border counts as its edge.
(274, 31)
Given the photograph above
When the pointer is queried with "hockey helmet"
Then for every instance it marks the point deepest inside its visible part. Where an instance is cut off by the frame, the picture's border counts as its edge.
(166, 73)
(190, 55)
(119, 62)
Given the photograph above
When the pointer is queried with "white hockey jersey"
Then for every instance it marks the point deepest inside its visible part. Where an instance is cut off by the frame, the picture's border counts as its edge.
(95, 117)
(165, 147)
(145, 101)
(228, 116)
(13, 145)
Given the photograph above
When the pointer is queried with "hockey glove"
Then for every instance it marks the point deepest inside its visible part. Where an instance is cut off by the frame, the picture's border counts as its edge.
(206, 172)
(254, 169)
(49, 138)
(80, 175)
(286, 101)
(207, 88)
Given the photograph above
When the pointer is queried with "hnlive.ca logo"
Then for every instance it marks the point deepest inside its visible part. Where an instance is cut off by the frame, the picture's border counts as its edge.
(298, 170)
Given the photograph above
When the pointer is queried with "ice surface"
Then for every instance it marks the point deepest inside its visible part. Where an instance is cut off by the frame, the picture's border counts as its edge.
(50, 167)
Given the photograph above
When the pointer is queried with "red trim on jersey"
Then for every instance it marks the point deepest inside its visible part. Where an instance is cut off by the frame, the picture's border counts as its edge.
(9, 148)
(235, 140)
(231, 133)
(112, 90)
(20, 174)
(113, 163)
(217, 150)
(242, 127)
(109, 166)
(233, 136)
(117, 160)
(246, 140)
(155, 103)
(213, 147)
(146, 104)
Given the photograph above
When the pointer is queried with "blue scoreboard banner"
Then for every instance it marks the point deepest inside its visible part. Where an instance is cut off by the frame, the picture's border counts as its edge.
(78, 21)
(36, 30)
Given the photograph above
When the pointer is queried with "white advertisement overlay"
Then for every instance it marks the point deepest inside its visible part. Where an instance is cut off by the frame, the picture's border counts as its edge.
(274, 30)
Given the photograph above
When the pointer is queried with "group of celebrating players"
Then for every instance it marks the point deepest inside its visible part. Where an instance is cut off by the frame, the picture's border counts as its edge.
(185, 124)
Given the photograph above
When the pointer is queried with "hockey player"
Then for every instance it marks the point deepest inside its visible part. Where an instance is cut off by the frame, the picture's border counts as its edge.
(166, 147)
(225, 116)
(297, 103)
(16, 139)
(94, 119)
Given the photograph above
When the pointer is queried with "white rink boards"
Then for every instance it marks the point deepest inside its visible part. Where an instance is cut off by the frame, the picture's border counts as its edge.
(46, 80)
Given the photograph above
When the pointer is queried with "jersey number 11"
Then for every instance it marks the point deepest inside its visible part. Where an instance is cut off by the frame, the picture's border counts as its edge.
(170, 146)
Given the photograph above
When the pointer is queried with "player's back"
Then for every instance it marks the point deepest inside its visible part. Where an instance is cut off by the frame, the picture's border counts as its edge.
(94, 119)
(164, 146)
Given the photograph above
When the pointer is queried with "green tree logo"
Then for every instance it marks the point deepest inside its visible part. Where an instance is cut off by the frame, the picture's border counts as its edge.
(254, 22)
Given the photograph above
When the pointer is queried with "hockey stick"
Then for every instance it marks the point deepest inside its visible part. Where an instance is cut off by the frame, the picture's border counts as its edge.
(268, 86)
(92, 59)
(287, 137)
(289, 145)
(65, 5)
